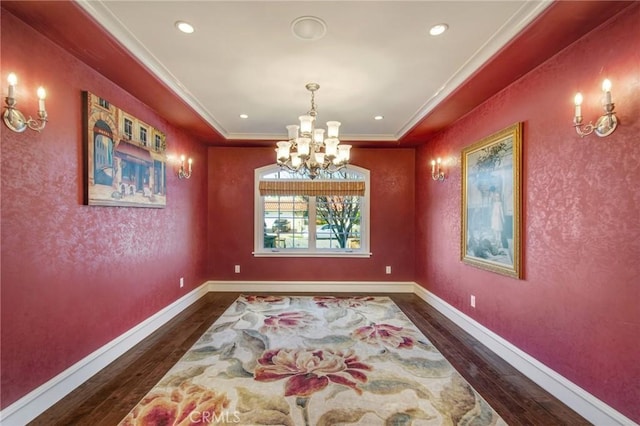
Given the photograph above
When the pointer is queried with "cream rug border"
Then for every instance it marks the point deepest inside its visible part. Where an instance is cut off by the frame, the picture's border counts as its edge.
(40, 399)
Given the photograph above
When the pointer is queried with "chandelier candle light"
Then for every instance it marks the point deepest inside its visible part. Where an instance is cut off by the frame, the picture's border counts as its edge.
(312, 152)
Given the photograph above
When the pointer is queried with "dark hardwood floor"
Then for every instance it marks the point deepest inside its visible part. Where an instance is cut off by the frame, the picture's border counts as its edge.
(108, 397)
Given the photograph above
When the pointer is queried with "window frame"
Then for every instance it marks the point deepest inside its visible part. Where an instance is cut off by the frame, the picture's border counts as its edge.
(259, 230)
(143, 131)
(127, 128)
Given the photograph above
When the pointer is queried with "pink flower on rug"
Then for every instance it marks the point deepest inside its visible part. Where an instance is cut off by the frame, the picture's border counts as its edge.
(188, 405)
(287, 321)
(310, 370)
(342, 301)
(386, 335)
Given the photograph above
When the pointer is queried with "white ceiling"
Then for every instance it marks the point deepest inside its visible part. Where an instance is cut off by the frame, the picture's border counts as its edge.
(376, 58)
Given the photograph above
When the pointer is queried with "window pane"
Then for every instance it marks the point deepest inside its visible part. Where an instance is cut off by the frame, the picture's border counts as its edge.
(338, 221)
(286, 222)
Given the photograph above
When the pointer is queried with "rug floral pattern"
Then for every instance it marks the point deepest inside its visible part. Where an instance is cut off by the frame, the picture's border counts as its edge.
(285, 360)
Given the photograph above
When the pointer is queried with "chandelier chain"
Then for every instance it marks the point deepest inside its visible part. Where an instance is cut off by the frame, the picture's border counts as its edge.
(313, 112)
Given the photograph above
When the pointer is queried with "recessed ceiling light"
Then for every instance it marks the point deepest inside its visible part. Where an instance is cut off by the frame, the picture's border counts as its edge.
(438, 29)
(185, 27)
(244, 116)
(308, 28)
(378, 117)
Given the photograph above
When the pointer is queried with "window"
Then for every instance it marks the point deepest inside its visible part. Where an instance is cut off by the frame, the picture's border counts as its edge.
(297, 216)
(103, 103)
(128, 128)
(158, 140)
(143, 136)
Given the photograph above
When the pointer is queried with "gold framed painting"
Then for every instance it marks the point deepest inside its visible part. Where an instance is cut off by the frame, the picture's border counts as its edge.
(491, 202)
(124, 157)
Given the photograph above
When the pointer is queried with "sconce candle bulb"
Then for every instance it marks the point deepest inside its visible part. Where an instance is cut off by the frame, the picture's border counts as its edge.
(606, 124)
(437, 173)
(578, 101)
(13, 118)
(13, 80)
(606, 88)
(182, 172)
(42, 95)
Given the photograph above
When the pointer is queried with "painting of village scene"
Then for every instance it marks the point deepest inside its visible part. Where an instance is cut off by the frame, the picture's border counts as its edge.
(125, 158)
(491, 202)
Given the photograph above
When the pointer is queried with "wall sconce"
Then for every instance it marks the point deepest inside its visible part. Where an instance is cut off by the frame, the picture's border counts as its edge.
(182, 172)
(436, 170)
(14, 119)
(606, 124)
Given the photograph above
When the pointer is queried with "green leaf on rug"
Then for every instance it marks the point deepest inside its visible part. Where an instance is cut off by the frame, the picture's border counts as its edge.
(240, 307)
(457, 400)
(220, 327)
(259, 409)
(390, 386)
(407, 417)
(334, 314)
(235, 370)
(208, 336)
(332, 341)
(340, 416)
(208, 351)
(175, 380)
(265, 417)
(251, 317)
(253, 341)
(249, 400)
(421, 367)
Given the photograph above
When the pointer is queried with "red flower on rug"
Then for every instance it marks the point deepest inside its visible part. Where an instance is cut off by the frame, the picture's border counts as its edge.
(342, 301)
(287, 321)
(384, 334)
(310, 371)
(188, 405)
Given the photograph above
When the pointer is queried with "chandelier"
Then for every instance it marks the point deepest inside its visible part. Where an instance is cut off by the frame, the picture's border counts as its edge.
(308, 151)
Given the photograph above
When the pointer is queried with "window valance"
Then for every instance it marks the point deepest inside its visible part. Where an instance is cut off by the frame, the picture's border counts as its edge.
(312, 188)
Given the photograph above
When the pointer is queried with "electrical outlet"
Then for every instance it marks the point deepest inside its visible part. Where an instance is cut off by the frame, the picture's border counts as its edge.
(388, 269)
(181, 282)
(473, 301)
(237, 269)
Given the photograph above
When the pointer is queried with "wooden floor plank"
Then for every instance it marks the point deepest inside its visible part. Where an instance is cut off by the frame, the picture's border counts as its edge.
(107, 398)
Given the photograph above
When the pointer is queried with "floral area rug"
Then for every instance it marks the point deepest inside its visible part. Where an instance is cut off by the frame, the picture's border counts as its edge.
(284, 360)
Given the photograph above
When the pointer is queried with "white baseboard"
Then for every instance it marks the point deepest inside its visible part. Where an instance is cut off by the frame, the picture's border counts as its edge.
(314, 286)
(582, 402)
(43, 397)
(40, 399)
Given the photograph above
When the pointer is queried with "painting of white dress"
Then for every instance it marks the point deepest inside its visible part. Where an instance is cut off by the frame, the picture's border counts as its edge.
(125, 158)
(491, 202)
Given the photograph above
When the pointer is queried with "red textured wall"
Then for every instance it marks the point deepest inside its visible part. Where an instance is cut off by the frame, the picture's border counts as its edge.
(231, 192)
(75, 277)
(576, 310)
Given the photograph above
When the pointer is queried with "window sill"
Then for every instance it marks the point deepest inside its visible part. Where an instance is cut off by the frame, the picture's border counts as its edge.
(292, 253)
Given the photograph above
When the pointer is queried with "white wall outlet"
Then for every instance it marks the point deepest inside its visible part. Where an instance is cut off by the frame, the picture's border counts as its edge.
(181, 282)
(388, 270)
(237, 269)
(473, 301)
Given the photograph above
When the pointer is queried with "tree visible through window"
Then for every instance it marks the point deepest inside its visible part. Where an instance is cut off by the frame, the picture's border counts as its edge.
(341, 216)
(298, 216)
